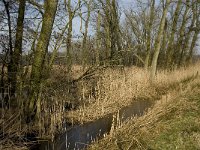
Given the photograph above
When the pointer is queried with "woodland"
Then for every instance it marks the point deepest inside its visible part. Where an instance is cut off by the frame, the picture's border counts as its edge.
(78, 60)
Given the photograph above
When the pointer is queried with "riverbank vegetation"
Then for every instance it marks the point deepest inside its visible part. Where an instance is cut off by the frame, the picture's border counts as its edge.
(71, 62)
(118, 88)
(172, 123)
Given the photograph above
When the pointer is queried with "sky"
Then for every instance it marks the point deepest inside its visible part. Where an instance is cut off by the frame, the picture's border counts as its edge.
(126, 3)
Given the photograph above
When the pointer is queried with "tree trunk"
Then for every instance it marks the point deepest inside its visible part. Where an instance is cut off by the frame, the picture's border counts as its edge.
(98, 39)
(194, 39)
(116, 28)
(179, 51)
(164, 46)
(17, 53)
(185, 47)
(69, 38)
(149, 27)
(196, 14)
(169, 52)
(9, 52)
(84, 44)
(39, 58)
(158, 42)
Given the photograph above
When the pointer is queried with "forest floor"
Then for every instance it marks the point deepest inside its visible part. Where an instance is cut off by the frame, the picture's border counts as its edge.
(172, 123)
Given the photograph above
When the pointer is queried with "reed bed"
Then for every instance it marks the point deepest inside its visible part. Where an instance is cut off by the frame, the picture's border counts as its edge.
(172, 123)
(117, 88)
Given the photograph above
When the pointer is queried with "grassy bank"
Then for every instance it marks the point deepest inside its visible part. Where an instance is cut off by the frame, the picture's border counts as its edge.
(173, 123)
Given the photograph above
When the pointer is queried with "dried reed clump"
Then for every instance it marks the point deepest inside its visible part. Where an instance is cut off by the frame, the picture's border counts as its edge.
(12, 131)
(119, 87)
(51, 118)
(164, 77)
(15, 133)
(59, 71)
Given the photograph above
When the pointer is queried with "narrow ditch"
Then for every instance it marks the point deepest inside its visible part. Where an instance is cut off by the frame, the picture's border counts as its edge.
(80, 136)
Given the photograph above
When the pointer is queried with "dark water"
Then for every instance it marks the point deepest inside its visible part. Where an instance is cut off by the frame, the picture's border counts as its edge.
(79, 137)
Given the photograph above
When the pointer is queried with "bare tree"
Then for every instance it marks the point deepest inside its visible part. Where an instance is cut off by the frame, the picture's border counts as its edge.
(177, 53)
(85, 35)
(172, 33)
(158, 41)
(98, 38)
(33, 103)
(17, 53)
(196, 29)
(69, 37)
(149, 28)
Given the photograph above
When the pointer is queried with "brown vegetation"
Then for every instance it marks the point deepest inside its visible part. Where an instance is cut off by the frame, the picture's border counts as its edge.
(117, 88)
(172, 123)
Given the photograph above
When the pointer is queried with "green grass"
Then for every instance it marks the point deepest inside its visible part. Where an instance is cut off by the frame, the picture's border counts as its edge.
(172, 125)
(183, 133)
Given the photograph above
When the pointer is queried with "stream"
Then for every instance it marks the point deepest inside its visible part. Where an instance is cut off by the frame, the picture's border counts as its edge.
(80, 136)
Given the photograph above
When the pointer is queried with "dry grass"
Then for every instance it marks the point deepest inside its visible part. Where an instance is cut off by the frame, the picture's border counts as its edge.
(119, 87)
(12, 131)
(59, 71)
(173, 123)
